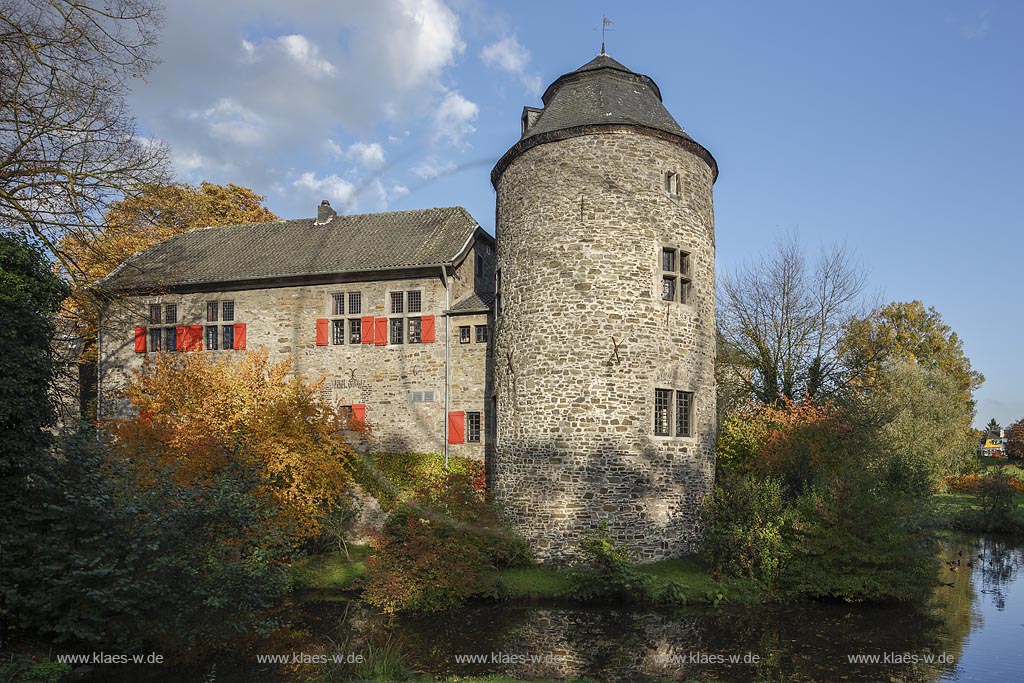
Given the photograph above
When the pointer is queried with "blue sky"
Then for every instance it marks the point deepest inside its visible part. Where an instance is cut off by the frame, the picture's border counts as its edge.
(891, 127)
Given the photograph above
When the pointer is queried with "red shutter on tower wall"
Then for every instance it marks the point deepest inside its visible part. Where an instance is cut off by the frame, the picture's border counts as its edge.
(195, 341)
(140, 340)
(380, 331)
(239, 337)
(359, 415)
(427, 329)
(366, 323)
(321, 331)
(457, 426)
(181, 338)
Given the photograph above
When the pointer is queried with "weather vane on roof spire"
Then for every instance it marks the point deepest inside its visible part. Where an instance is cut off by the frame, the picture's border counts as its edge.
(604, 27)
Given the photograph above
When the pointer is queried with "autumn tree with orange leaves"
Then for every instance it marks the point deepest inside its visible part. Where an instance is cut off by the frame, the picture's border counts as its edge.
(199, 415)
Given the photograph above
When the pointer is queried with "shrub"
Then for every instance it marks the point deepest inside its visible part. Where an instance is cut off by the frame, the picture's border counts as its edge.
(393, 477)
(744, 535)
(607, 571)
(853, 540)
(438, 548)
(976, 483)
(997, 494)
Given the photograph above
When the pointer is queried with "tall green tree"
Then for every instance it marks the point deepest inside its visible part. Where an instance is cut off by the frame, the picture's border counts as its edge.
(30, 295)
(993, 425)
(909, 332)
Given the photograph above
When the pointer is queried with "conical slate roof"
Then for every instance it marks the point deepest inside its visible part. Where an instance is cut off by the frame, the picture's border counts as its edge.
(601, 93)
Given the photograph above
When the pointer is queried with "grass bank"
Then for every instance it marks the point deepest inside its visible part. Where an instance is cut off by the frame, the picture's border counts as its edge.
(965, 512)
(671, 582)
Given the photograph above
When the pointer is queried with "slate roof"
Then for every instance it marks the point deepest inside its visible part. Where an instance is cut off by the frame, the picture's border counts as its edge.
(476, 302)
(293, 248)
(603, 91)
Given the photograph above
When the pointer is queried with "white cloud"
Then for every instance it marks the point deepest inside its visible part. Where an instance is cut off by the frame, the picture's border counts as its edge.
(509, 55)
(239, 100)
(398, 190)
(333, 148)
(229, 120)
(330, 187)
(452, 120)
(431, 168)
(370, 155)
(306, 54)
(506, 54)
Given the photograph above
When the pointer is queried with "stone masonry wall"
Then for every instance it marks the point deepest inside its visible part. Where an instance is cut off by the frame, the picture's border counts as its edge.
(283, 321)
(583, 339)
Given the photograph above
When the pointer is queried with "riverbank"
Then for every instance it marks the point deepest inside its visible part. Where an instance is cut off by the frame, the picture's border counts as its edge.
(684, 581)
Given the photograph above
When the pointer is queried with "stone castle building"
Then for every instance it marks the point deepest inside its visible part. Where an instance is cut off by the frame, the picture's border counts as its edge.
(573, 354)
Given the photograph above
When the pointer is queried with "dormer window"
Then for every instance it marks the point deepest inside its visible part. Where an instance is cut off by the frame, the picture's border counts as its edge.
(672, 183)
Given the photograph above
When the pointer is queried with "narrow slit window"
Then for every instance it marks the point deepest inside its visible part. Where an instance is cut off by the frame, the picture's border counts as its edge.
(662, 408)
(684, 413)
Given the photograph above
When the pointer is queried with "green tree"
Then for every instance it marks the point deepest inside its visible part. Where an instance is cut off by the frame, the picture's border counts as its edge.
(909, 332)
(993, 426)
(1015, 439)
(30, 295)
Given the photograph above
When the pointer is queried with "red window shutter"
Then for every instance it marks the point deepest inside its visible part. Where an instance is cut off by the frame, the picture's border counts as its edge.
(427, 329)
(366, 323)
(380, 331)
(239, 337)
(457, 426)
(181, 338)
(195, 342)
(359, 415)
(140, 340)
(321, 331)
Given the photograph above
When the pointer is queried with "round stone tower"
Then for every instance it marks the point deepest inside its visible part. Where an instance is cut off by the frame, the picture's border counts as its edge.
(604, 345)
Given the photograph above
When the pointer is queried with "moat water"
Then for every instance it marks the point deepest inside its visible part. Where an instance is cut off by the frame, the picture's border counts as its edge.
(971, 630)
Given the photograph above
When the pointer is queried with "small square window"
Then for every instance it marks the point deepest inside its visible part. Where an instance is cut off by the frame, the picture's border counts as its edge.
(464, 334)
(338, 332)
(211, 337)
(171, 314)
(662, 408)
(154, 314)
(481, 334)
(396, 330)
(472, 427)
(211, 311)
(171, 338)
(355, 331)
(229, 337)
(155, 337)
(397, 301)
(415, 302)
(355, 303)
(415, 330)
(337, 304)
(228, 310)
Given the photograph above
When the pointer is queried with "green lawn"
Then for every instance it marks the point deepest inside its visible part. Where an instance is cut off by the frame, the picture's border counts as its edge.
(331, 572)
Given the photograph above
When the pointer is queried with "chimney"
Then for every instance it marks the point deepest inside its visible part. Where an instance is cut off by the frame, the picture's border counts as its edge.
(324, 213)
